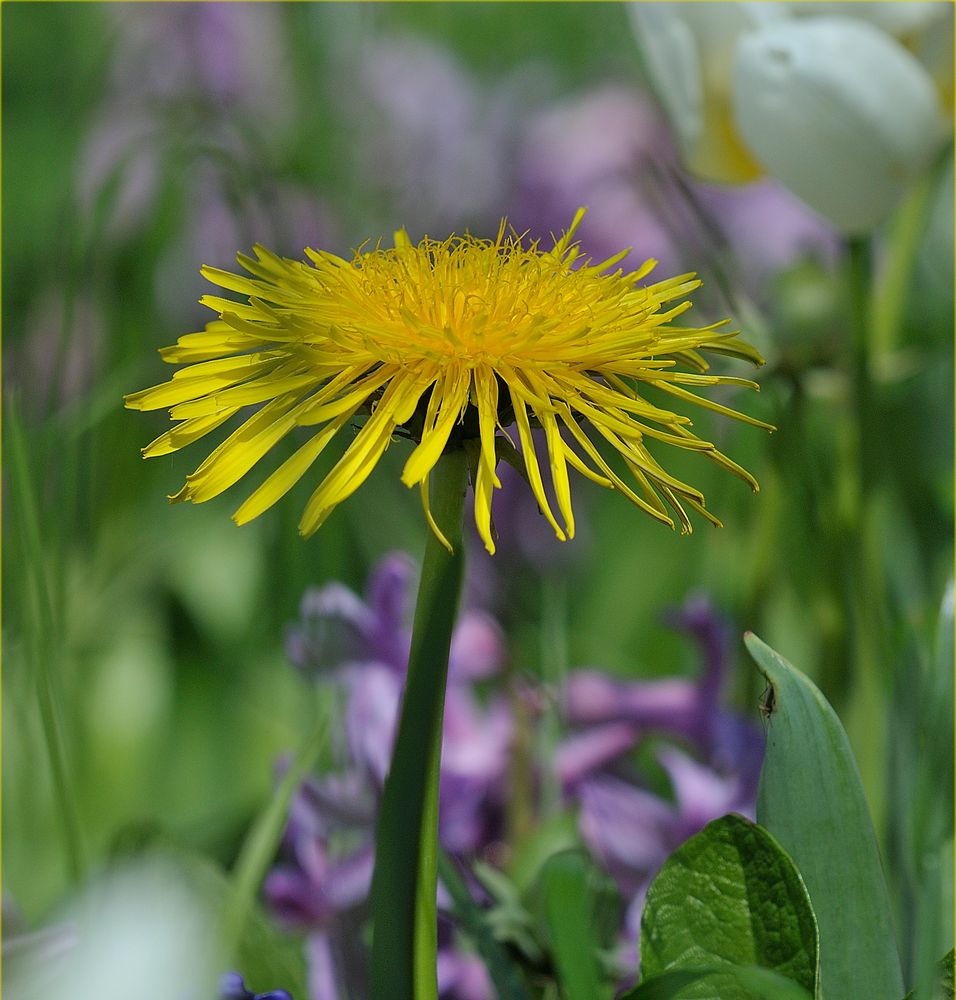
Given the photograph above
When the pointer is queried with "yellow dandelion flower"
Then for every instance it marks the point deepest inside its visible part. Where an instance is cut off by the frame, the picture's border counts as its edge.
(448, 343)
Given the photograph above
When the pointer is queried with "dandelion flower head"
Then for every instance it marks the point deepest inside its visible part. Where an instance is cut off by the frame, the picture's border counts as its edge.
(462, 342)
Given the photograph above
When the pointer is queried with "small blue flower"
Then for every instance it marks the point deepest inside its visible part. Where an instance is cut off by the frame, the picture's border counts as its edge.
(233, 987)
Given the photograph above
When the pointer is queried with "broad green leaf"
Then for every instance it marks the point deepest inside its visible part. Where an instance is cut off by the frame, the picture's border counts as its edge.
(729, 895)
(573, 898)
(811, 799)
(759, 982)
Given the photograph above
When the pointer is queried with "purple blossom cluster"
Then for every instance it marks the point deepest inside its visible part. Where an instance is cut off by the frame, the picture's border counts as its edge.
(206, 89)
(319, 887)
(201, 104)
(710, 755)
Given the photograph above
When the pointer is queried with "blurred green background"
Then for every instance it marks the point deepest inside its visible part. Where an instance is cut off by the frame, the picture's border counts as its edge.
(153, 634)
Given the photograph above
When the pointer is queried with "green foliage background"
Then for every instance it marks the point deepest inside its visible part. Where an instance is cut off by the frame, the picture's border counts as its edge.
(158, 629)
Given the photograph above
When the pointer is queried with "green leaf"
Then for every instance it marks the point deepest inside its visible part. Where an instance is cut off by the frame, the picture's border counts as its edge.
(757, 981)
(729, 895)
(574, 901)
(811, 799)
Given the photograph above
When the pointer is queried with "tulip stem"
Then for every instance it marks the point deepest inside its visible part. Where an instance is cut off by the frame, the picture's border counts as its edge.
(404, 910)
(862, 565)
(861, 268)
(891, 295)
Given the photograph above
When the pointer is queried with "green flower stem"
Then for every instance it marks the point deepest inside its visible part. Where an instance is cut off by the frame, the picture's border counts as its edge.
(404, 910)
(892, 294)
(860, 292)
(865, 717)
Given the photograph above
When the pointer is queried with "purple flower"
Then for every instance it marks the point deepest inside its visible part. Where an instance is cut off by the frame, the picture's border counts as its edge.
(429, 137)
(314, 888)
(686, 709)
(324, 874)
(611, 149)
(320, 885)
(592, 750)
(233, 987)
(371, 719)
(591, 697)
(606, 149)
(337, 628)
(364, 644)
(463, 976)
(767, 227)
(630, 830)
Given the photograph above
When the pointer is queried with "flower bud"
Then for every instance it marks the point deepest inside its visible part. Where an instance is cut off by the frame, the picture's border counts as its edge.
(839, 112)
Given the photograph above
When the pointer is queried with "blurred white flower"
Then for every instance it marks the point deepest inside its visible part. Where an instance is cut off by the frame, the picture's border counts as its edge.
(836, 106)
(841, 113)
(902, 18)
(689, 50)
(143, 932)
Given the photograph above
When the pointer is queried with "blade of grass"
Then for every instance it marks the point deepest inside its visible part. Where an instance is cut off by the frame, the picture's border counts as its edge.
(262, 841)
(42, 639)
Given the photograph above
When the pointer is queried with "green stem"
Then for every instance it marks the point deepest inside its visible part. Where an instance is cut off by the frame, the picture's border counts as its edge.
(864, 589)
(860, 278)
(891, 295)
(404, 909)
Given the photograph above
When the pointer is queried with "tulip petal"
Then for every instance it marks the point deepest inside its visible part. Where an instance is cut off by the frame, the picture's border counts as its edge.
(688, 52)
(839, 113)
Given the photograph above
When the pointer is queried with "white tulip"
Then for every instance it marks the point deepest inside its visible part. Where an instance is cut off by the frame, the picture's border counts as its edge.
(925, 27)
(689, 50)
(902, 18)
(838, 112)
